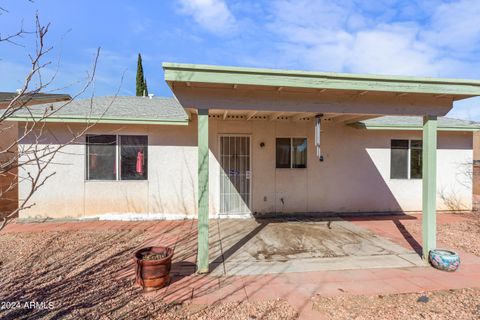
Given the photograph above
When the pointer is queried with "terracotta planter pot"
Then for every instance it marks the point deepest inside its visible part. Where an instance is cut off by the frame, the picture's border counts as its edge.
(153, 274)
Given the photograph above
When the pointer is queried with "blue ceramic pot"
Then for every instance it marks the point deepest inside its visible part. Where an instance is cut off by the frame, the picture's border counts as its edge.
(444, 260)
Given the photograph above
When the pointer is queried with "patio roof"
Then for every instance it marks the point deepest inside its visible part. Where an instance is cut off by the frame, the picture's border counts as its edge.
(237, 76)
(118, 110)
(345, 98)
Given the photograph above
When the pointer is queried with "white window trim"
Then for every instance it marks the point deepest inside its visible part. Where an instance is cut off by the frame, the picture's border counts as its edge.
(118, 158)
(291, 152)
(409, 160)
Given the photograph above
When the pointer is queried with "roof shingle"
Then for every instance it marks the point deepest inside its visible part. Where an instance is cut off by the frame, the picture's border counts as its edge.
(112, 108)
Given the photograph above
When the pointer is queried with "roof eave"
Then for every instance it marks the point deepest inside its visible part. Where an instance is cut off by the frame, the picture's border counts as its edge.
(175, 72)
(102, 120)
(39, 99)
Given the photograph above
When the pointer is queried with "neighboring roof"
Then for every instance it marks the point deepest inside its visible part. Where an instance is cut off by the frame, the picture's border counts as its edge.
(33, 98)
(415, 123)
(122, 110)
(459, 88)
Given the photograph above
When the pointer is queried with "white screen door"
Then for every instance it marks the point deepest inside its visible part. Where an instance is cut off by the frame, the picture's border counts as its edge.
(235, 174)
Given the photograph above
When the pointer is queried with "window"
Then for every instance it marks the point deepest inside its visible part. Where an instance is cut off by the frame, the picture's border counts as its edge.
(406, 159)
(133, 157)
(101, 155)
(111, 157)
(291, 153)
(416, 159)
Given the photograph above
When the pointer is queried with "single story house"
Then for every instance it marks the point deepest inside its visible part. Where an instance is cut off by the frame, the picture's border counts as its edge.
(241, 141)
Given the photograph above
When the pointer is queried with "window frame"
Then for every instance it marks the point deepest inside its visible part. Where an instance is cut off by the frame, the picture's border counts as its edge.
(409, 160)
(118, 158)
(291, 152)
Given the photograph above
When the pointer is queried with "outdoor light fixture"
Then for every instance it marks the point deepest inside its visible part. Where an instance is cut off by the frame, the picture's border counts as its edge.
(262, 144)
(318, 130)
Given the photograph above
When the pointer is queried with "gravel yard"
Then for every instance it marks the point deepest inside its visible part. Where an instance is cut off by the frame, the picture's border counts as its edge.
(439, 305)
(77, 273)
(464, 235)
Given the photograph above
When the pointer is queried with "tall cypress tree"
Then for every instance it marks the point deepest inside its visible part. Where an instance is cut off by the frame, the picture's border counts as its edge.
(145, 86)
(140, 77)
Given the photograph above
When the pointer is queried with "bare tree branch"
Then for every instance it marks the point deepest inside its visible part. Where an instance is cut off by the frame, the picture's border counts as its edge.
(27, 157)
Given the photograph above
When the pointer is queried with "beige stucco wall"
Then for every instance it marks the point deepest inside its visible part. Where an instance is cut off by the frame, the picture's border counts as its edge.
(355, 176)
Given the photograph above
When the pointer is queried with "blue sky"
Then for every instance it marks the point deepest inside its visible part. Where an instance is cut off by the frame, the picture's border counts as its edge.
(425, 38)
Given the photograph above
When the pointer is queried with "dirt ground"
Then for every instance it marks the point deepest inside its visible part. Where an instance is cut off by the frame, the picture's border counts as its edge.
(451, 304)
(463, 235)
(74, 273)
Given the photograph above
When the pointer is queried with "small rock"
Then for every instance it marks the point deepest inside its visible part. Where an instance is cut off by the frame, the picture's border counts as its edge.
(423, 299)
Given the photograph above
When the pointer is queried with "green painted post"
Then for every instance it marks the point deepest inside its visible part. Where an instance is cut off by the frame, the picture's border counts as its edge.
(429, 185)
(202, 257)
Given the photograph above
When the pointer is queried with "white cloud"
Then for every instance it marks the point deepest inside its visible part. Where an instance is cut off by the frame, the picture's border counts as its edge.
(454, 25)
(348, 36)
(212, 15)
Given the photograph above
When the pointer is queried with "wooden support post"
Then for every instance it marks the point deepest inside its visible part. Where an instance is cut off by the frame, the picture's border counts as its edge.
(202, 256)
(429, 186)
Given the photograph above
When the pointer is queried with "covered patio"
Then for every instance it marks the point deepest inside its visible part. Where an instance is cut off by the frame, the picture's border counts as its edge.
(317, 99)
(276, 245)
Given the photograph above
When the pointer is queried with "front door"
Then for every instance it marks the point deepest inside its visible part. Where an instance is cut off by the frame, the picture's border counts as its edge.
(235, 175)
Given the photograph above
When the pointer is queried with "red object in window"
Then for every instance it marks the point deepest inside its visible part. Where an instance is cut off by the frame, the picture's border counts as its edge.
(93, 161)
(139, 167)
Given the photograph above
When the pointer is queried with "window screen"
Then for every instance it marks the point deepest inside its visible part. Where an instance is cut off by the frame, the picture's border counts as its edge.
(399, 159)
(283, 153)
(299, 153)
(416, 159)
(101, 157)
(134, 157)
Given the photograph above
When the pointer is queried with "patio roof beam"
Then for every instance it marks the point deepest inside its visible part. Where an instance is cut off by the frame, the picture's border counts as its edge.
(331, 116)
(345, 117)
(303, 115)
(249, 99)
(250, 115)
(276, 115)
(359, 118)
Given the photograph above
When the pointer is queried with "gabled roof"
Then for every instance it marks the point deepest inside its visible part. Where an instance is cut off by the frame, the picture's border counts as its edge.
(415, 123)
(199, 73)
(122, 110)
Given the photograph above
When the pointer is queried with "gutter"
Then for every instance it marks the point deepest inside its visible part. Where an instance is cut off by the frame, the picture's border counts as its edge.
(102, 120)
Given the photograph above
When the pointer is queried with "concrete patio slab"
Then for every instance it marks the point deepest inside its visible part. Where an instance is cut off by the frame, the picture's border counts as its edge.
(250, 247)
